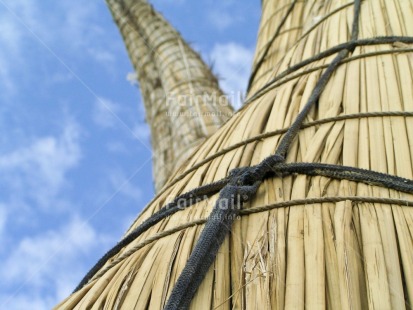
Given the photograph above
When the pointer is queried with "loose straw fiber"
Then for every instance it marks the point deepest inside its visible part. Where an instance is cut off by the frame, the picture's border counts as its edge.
(334, 254)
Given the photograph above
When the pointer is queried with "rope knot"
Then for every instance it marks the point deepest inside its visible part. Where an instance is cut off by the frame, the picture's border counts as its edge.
(242, 176)
(246, 180)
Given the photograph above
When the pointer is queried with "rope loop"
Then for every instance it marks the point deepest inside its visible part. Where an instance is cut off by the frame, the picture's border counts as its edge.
(253, 175)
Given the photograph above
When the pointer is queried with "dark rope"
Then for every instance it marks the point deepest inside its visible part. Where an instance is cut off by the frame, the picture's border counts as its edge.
(346, 60)
(295, 127)
(286, 141)
(203, 255)
(323, 19)
(278, 132)
(261, 91)
(336, 49)
(347, 173)
(328, 199)
(179, 203)
(269, 44)
(242, 184)
(280, 169)
(246, 212)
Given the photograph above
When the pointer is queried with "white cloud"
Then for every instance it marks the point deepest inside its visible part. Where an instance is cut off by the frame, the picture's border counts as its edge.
(81, 31)
(10, 36)
(109, 114)
(117, 147)
(48, 260)
(34, 256)
(142, 132)
(22, 9)
(60, 77)
(132, 78)
(224, 14)
(10, 40)
(124, 186)
(28, 28)
(102, 56)
(104, 112)
(18, 18)
(38, 171)
(158, 3)
(232, 62)
(221, 19)
(3, 218)
(76, 25)
(29, 301)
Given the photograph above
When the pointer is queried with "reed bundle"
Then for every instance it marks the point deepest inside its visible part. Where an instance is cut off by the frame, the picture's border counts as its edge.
(302, 241)
(177, 87)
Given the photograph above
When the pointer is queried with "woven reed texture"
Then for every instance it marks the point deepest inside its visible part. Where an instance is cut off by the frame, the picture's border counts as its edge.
(319, 252)
(176, 85)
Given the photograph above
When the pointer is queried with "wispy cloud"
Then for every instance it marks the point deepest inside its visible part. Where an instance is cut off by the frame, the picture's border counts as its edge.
(229, 13)
(102, 56)
(221, 19)
(46, 260)
(37, 172)
(3, 219)
(142, 132)
(232, 62)
(30, 257)
(44, 181)
(72, 32)
(106, 113)
(10, 41)
(82, 34)
(125, 186)
(103, 112)
(175, 2)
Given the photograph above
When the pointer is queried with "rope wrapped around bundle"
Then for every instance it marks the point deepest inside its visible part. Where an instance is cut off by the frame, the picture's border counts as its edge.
(241, 184)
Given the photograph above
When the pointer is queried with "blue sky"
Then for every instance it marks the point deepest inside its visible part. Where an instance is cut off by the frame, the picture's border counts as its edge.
(75, 156)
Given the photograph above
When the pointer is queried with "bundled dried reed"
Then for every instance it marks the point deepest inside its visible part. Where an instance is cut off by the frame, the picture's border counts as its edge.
(338, 244)
(177, 86)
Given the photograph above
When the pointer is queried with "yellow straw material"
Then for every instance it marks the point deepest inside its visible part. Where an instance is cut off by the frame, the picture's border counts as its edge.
(182, 99)
(329, 251)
